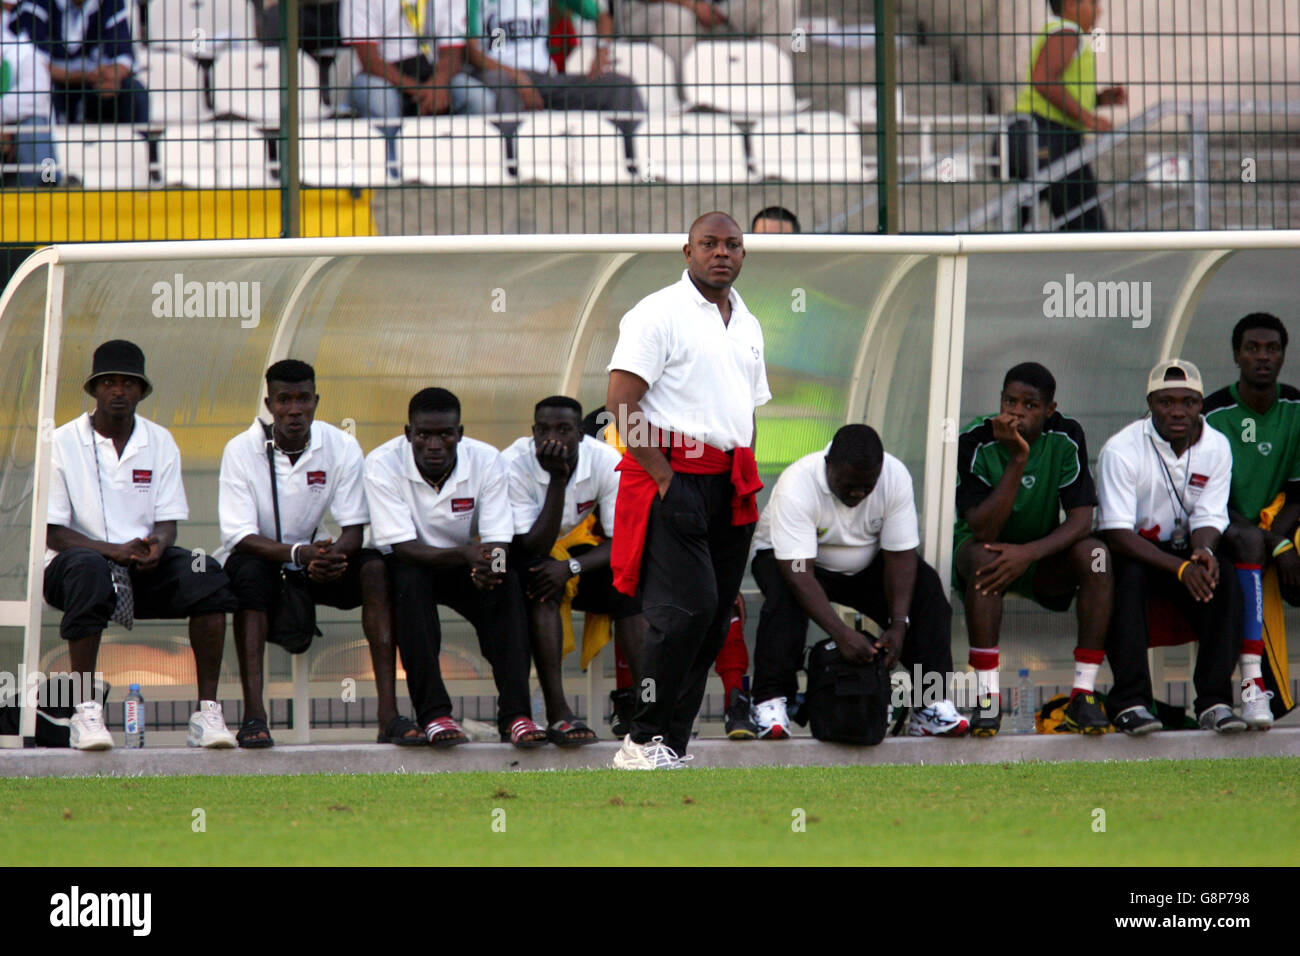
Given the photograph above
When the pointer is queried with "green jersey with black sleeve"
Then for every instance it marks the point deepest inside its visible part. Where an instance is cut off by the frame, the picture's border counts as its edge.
(1056, 477)
(1265, 448)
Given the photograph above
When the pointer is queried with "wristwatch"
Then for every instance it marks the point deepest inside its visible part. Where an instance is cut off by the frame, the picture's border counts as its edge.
(574, 568)
(906, 621)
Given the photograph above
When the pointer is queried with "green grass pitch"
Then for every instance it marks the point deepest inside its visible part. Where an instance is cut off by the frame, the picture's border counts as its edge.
(1156, 813)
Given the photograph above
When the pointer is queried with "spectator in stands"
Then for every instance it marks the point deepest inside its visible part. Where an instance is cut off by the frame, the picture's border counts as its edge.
(841, 526)
(562, 491)
(1062, 95)
(1163, 487)
(1016, 472)
(25, 138)
(266, 526)
(1261, 420)
(776, 219)
(411, 56)
(675, 25)
(440, 507)
(509, 51)
(88, 45)
(115, 497)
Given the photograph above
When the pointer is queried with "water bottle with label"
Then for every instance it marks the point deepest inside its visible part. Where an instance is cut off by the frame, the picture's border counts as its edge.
(134, 712)
(1022, 719)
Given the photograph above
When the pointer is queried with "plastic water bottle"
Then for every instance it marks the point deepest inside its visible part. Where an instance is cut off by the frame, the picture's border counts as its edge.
(134, 711)
(1022, 719)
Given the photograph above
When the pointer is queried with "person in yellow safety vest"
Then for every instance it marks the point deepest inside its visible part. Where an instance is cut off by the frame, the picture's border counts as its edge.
(1061, 93)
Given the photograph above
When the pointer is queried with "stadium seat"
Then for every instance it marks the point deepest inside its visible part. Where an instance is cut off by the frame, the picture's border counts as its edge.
(342, 154)
(216, 156)
(200, 29)
(746, 78)
(103, 157)
(246, 85)
(175, 89)
(451, 151)
(652, 69)
(809, 147)
(691, 148)
(188, 157)
(572, 147)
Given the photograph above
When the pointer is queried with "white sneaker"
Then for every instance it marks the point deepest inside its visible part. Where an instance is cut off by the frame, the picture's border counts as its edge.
(208, 727)
(937, 720)
(772, 719)
(656, 755)
(1254, 706)
(86, 730)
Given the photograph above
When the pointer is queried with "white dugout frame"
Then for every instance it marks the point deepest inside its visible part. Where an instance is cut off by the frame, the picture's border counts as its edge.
(1211, 249)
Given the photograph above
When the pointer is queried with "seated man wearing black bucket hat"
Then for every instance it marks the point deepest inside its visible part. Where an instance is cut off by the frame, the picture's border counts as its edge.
(115, 497)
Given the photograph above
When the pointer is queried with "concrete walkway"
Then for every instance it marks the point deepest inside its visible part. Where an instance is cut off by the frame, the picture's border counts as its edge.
(800, 752)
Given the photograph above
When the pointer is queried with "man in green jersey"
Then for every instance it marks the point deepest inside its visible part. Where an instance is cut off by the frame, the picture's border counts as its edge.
(1061, 93)
(1016, 472)
(1261, 420)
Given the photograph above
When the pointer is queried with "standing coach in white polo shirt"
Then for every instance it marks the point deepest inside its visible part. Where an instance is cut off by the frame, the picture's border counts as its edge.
(264, 528)
(115, 497)
(439, 504)
(841, 526)
(1162, 494)
(684, 380)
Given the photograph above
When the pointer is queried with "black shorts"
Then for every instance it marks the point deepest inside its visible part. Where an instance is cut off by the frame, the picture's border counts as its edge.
(79, 583)
(255, 582)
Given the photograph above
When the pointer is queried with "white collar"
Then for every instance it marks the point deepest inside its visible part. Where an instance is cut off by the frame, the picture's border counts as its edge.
(693, 291)
(412, 471)
(139, 436)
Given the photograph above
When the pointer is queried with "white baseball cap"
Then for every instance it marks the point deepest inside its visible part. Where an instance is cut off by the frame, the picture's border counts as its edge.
(1185, 375)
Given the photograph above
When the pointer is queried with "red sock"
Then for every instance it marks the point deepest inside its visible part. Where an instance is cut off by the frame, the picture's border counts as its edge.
(1086, 664)
(622, 673)
(1252, 647)
(733, 659)
(984, 658)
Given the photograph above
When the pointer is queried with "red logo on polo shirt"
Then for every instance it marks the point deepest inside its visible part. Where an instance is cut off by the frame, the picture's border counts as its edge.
(315, 478)
(1198, 481)
(585, 506)
(141, 476)
(461, 505)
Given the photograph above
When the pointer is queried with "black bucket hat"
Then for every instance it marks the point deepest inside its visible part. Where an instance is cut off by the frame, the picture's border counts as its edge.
(118, 357)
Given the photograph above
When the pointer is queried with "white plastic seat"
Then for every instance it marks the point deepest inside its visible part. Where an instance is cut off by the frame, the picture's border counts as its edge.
(571, 147)
(188, 157)
(106, 156)
(651, 68)
(746, 78)
(175, 89)
(691, 148)
(342, 154)
(809, 148)
(200, 28)
(246, 84)
(451, 151)
(216, 156)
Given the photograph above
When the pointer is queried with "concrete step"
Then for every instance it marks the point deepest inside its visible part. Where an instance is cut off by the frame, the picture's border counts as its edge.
(799, 752)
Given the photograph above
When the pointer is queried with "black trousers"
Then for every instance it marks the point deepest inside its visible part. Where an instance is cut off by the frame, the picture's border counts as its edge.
(1074, 189)
(783, 625)
(1217, 626)
(690, 575)
(497, 616)
(79, 583)
(255, 582)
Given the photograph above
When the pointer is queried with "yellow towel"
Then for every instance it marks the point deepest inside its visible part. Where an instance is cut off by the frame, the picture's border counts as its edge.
(1274, 616)
(596, 627)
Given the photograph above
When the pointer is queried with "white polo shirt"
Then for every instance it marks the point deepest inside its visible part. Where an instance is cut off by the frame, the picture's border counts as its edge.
(804, 520)
(330, 474)
(593, 482)
(27, 95)
(705, 378)
(474, 500)
(1134, 493)
(140, 489)
(386, 22)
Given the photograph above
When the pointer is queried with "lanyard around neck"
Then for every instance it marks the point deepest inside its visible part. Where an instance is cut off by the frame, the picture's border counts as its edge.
(1170, 488)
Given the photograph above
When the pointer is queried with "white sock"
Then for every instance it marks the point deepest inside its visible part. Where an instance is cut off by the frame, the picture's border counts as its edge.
(1085, 676)
(986, 683)
(1252, 667)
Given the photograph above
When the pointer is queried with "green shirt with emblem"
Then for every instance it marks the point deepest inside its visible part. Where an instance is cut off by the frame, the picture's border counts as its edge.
(1265, 448)
(1056, 477)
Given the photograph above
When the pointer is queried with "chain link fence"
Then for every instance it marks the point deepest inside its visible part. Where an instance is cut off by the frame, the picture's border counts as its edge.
(252, 118)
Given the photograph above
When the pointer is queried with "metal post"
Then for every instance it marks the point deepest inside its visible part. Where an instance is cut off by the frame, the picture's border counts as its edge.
(1200, 168)
(290, 226)
(886, 119)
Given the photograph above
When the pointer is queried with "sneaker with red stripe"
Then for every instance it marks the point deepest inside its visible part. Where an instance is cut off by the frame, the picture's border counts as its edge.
(772, 719)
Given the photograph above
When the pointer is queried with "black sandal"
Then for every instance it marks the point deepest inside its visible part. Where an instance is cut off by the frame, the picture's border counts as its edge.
(248, 731)
(399, 730)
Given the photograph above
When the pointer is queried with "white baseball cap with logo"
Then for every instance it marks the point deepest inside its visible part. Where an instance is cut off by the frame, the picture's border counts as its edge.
(1184, 375)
